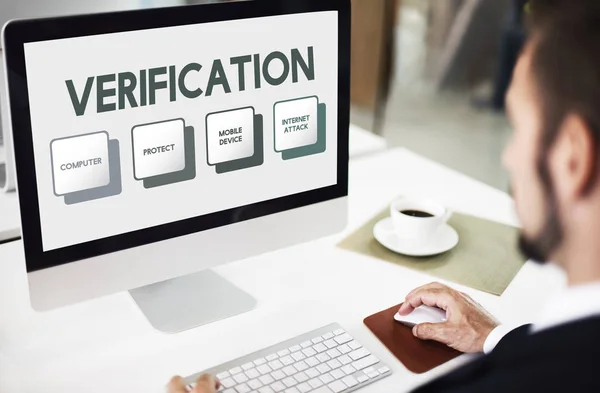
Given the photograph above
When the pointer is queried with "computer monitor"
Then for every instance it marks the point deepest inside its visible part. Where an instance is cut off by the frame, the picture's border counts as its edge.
(153, 145)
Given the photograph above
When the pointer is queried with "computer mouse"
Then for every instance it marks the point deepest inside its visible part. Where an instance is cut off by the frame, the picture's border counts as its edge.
(423, 314)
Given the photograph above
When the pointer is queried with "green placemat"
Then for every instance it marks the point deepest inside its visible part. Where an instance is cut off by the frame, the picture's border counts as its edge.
(486, 257)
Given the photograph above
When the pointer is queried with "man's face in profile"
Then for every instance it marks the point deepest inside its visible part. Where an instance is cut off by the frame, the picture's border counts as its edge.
(526, 160)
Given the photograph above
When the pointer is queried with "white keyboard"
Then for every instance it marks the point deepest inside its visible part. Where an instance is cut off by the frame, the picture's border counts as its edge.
(326, 360)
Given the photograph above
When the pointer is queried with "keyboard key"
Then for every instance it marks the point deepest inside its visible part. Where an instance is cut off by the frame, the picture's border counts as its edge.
(337, 386)
(223, 375)
(312, 361)
(354, 345)
(292, 390)
(264, 369)
(320, 348)
(362, 378)
(260, 361)
(283, 353)
(275, 364)
(255, 384)
(278, 387)
(339, 331)
(369, 370)
(344, 349)
(266, 380)
(272, 357)
(349, 370)
(322, 389)
(266, 389)
(286, 360)
(295, 348)
(323, 357)
(337, 374)
(330, 344)
(383, 370)
(277, 375)
(365, 362)
(312, 372)
(290, 370)
(344, 359)
(350, 381)
(252, 373)
(228, 382)
(298, 356)
(343, 339)
(243, 388)
(229, 391)
(247, 366)
(359, 354)
(235, 370)
(317, 340)
(323, 368)
(333, 353)
(309, 352)
(289, 382)
(372, 375)
(301, 365)
(327, 336)
(315, 383)
(334, 364)
(240, 378)
(304, 387)
(301, 377)
(326, 378)
(306, 344)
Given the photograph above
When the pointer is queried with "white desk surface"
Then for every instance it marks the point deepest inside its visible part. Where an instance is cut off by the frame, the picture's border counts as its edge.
(106, 345)
(10, 221)
(362, 143)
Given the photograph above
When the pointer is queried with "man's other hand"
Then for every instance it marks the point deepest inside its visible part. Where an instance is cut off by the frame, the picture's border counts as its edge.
(467, 324)
(204, 384)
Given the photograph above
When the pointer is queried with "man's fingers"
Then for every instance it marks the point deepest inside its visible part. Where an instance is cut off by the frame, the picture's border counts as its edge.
(431, 285)
(176, 385)
(431, 331)
(206, 384)
(408, 307)
(440, 298)
(405, 309)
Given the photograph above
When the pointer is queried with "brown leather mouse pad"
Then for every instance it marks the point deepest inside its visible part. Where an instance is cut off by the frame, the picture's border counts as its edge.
(418, 356)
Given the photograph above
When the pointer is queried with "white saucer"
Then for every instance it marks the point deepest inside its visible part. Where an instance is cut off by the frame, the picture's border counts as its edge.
(445, 240)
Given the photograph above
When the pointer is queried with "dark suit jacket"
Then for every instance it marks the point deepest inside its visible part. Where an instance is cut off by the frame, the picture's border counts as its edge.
(562, 359)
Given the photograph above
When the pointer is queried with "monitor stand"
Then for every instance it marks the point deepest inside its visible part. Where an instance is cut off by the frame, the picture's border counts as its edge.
(184, 303)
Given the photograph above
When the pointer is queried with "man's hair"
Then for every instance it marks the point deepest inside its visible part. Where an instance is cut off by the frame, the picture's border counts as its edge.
(565, 64)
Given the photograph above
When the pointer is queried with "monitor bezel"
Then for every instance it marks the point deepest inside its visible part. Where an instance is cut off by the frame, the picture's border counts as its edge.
(17, 33)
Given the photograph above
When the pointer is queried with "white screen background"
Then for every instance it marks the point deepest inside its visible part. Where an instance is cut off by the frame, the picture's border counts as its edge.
(50, 63)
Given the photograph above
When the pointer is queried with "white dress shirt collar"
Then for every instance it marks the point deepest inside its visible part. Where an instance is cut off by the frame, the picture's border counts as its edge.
(572, 304)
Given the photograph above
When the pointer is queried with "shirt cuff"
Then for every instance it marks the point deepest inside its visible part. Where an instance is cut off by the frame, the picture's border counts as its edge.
(495, 336)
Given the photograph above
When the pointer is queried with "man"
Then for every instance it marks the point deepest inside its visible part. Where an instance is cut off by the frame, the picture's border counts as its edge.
(554, 163)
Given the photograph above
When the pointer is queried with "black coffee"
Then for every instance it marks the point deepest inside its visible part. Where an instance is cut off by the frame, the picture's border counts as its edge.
(416, 213)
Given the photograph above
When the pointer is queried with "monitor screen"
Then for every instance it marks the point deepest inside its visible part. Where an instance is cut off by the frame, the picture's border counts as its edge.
(137, 129)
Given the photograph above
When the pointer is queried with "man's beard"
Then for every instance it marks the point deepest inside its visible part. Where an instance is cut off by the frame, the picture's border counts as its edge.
(540, 248)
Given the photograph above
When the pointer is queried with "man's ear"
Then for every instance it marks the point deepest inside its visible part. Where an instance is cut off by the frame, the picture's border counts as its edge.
(573, 160)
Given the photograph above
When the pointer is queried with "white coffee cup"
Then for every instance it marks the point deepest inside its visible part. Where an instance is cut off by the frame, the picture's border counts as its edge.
(421, 228)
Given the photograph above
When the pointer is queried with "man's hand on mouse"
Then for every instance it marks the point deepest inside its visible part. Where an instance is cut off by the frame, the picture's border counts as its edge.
(467, 324)
(204, 384)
